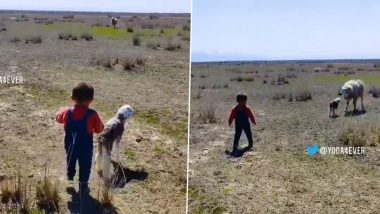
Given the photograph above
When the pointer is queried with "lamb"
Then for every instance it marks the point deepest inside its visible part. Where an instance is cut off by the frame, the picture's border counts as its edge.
(353, 89)
(333, 106)
(114, 22)
(108, 143)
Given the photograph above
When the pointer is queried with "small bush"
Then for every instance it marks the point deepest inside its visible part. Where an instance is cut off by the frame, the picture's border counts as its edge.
(153, 44)
(207, 115)
(136, 40)
(86, 36)
(65, 36)
(241, 79)
(302, 95)
(103, 60)
(33, 39)
(47, 195)
(130, 30)
(3, 27)
(374, 91)
(172, 45)
(186, 28)
(15, 40)
(359, 134)
(130, 62)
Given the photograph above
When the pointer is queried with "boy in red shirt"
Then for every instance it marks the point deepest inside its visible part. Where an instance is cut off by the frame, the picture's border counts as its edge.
(241, 113)
(80, 122)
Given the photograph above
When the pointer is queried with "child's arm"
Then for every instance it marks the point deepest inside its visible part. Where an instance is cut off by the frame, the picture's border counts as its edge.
(232, 117)
(96, 123)
(250, 115)
(61, 115)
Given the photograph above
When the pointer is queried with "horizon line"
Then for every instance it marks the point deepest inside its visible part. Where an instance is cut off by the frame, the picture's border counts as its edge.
(88, 11)
(287, 60)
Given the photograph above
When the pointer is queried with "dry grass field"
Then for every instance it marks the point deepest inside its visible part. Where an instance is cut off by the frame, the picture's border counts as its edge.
(144, 63)
(290, 101)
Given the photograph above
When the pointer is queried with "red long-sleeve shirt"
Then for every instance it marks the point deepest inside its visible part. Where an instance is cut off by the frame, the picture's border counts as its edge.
(247, 111)
(94, 123)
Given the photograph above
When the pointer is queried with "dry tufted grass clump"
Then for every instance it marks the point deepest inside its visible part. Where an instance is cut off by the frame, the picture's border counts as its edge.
(33, 39)
(360, 133)
(47, 192)
(208, 114)
(87, 36)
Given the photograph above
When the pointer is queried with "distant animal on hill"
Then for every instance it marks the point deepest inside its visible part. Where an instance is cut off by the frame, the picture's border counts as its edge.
(109, 143)
(352, 89)
(333, 107)
(114, 22)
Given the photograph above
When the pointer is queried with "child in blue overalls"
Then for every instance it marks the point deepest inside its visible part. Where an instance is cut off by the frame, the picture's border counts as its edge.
(80, 123)
(241, 113)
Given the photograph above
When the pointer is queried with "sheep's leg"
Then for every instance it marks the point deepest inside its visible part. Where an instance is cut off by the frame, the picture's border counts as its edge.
(106, 165)
(99, 160)
(361, 100)
(116, 149)
(354, 102)
(348, 101)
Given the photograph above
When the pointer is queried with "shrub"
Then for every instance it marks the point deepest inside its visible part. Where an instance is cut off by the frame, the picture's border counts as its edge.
(65, 36)
(130, 62)
(302, 95)
(172, 45)
(3, 27)
(207, 115)
(360, 133)
(15, 39)
(186, 28)
(130, 30)
(33, 39)
(186, 37)
(47, 193)
(153, 44)
(102, 60)
(136, 40)
(86, 36)
(241, 79)
(374, 91)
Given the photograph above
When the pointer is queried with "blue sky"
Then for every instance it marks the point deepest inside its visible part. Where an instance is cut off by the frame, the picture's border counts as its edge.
(170, 6)
(286, 29)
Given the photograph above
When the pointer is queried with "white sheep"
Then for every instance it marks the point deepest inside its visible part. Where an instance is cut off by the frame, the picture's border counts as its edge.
(109, 142)
(353, 89)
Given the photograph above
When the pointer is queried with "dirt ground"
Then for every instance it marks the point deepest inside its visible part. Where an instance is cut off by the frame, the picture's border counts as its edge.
(155, 145)
(278, 175)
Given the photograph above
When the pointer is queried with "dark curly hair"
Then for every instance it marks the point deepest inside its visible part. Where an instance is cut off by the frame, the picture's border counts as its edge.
(83, 92)
(241, 97)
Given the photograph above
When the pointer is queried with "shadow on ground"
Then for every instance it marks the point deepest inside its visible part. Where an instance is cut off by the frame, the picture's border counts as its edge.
(354, 113)
(124, 175)
(239, 153)
(86, 204)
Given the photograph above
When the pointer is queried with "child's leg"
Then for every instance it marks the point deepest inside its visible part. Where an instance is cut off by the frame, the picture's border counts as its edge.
(71, 160)
(248, 133)
(85, 161)
(238, 131)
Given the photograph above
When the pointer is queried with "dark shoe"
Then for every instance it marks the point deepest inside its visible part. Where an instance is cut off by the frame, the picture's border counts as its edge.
(234, 153)
(83, 188)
